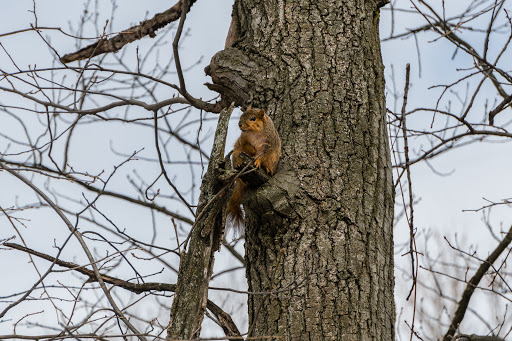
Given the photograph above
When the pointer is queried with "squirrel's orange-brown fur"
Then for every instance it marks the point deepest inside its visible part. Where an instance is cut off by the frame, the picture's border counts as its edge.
(259, 139)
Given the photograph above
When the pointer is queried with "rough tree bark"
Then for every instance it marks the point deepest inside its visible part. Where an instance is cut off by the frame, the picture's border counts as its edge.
(319, 233)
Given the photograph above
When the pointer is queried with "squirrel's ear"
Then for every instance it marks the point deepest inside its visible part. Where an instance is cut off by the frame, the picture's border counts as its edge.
(261, 115)
(249, 107)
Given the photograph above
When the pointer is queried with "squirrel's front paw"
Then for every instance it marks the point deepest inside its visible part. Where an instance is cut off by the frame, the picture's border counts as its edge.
(257, 163)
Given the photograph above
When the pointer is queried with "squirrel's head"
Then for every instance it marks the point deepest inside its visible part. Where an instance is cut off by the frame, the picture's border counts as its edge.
(252, 119)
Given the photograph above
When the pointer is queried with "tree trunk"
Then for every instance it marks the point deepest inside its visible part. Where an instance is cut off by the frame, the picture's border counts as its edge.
(319, 233)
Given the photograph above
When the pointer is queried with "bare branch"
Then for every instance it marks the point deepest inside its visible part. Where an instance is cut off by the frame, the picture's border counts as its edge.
(224, 319)
(84, 246)
(114, 44)
(473, 283)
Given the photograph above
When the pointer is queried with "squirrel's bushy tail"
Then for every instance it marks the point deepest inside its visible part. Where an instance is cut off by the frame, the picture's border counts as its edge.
(235, 214)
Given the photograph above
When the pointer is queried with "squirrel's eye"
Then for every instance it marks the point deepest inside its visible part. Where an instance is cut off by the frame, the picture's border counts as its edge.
(253, 118)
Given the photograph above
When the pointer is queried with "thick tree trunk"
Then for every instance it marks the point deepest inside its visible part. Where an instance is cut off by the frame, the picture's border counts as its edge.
(319, 233)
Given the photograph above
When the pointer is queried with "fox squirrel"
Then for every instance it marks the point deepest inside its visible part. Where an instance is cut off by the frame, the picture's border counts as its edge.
(259, 139)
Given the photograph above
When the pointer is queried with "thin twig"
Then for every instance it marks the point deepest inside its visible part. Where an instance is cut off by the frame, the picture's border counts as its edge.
(410, 218)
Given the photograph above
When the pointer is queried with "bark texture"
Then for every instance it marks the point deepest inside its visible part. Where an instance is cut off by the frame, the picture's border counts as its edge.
(196, 264)
(319, 233)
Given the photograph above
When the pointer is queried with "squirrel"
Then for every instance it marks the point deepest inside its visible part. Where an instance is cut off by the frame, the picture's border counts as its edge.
(259, 139)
